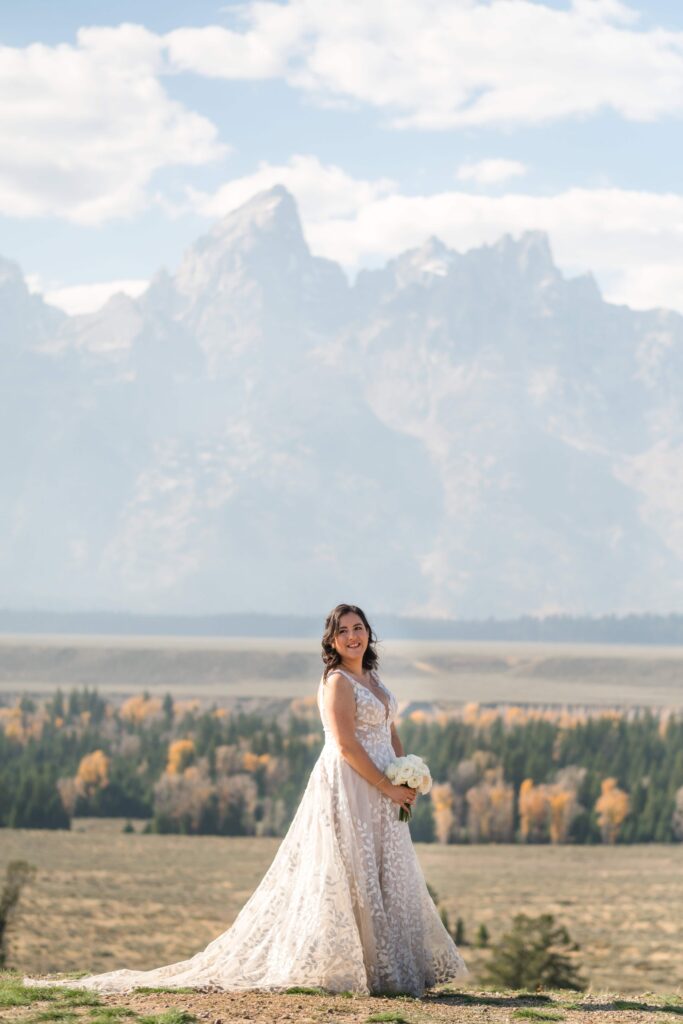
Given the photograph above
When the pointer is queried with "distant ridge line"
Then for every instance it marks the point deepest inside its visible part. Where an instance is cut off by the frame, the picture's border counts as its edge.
(626, 629)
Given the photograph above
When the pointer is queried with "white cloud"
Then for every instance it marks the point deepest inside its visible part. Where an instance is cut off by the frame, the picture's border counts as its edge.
(629, 239)
(87, 298)
(261, 51)
(322, 191)
(439, 64)
(602, 10)
(491, 171)
(649, 286)
(83, 128)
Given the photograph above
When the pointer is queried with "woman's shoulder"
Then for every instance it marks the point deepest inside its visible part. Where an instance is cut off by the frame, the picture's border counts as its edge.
(338, 685)
(336, 677)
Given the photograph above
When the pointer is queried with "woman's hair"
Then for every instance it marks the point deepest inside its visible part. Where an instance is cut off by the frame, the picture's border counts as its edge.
(330, 655)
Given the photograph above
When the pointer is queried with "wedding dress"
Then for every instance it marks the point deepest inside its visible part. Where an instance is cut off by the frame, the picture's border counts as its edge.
(343, 905)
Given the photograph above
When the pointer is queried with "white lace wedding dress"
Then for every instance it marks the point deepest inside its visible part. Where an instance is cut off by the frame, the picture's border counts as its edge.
(344, 904)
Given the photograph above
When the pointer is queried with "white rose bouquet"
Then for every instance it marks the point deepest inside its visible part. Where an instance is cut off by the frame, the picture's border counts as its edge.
(411, 771)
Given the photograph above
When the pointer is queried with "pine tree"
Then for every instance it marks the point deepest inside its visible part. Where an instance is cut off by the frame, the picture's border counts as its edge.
(167, 708)
(534, 954)
(17, 875)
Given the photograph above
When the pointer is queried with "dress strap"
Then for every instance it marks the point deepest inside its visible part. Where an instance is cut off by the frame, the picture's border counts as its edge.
(350, 677)
(345, 673)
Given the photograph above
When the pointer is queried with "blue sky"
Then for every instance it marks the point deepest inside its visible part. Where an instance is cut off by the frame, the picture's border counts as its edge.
(128, 128)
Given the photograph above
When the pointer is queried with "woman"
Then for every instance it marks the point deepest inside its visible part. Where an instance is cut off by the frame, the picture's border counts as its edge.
(344, 905)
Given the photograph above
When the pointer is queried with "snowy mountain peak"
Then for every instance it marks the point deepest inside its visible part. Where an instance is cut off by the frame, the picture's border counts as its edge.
(433, 257)
(270, 213)
(529, 255)
(424, 266)
(27, 320)
(260, 238)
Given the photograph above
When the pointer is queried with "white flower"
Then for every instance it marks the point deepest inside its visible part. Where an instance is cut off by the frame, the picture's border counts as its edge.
(410, 770)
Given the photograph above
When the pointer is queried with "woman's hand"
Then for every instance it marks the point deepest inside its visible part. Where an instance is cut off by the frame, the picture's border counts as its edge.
(403, 795)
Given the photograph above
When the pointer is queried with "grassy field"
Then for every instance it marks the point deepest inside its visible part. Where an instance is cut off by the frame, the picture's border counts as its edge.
(225, 669)
(103, 899)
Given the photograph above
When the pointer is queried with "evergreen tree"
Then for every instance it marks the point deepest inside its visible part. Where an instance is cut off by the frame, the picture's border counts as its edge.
(422, 822)
(534, 954)
(37, 804)
(167, 708)
(17, 875)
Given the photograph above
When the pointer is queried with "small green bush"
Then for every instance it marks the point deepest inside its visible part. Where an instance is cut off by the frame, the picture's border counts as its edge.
(535, 953)
(17, 875)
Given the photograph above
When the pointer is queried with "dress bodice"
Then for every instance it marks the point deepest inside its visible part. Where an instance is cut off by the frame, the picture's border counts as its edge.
(373, 719)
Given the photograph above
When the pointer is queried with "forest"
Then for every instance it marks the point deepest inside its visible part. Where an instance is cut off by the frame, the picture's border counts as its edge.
(501, 774)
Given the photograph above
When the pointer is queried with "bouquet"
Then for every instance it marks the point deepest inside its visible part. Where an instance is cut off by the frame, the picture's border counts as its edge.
(411, 771)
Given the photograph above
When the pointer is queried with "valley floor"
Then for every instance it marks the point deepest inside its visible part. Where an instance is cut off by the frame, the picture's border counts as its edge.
(103, 899)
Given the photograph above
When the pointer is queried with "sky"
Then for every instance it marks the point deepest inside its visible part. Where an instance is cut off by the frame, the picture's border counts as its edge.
(127, 129)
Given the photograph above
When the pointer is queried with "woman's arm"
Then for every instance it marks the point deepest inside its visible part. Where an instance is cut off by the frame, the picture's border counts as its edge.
(396, 741)
(340, 705)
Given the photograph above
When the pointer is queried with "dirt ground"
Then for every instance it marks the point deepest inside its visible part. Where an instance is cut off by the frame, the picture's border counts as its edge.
(182, 1007)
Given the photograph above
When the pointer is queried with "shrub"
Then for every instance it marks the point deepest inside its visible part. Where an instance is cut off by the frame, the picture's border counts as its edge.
(18, 874)
(535, 953)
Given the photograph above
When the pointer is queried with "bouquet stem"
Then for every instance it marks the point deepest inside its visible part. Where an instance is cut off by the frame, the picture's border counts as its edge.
(406, 813)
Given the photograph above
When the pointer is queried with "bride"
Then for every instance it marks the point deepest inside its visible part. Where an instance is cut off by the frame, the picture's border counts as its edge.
(344, 904)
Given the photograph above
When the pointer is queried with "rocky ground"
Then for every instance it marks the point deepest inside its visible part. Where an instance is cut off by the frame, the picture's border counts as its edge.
(21, 1005)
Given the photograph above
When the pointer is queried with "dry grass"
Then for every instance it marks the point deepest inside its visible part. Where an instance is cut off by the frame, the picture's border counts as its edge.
(103, 899)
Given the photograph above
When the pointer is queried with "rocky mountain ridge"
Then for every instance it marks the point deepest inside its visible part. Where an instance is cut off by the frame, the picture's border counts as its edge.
(467, 434)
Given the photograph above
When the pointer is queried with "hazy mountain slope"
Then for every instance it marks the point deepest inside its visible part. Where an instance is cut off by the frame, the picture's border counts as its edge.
(465, 433)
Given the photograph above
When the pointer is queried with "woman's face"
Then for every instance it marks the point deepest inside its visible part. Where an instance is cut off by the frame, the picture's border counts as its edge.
(352, 637)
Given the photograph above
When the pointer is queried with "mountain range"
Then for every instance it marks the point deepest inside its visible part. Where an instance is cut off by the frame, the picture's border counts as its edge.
(463, 434)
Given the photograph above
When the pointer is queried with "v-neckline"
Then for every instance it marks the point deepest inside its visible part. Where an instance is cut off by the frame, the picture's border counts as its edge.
(386, 707)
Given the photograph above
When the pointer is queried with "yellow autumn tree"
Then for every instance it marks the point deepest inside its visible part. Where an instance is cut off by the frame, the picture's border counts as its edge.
(502, 799)
(442, 809)
(180, 755)
(563, 806)
(93, 772)
(182, 796)
(252, 762)
(139, 708)
(533, 812)
(15, 731)
(611, 808)
(490, 809)
(514, 716)
(547, 810)
(470, 713)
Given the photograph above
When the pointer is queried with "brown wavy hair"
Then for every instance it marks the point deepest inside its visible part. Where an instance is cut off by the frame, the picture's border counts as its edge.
(331, 657)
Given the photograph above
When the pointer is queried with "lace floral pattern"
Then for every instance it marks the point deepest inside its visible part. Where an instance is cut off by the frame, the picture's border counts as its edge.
(343, 905)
